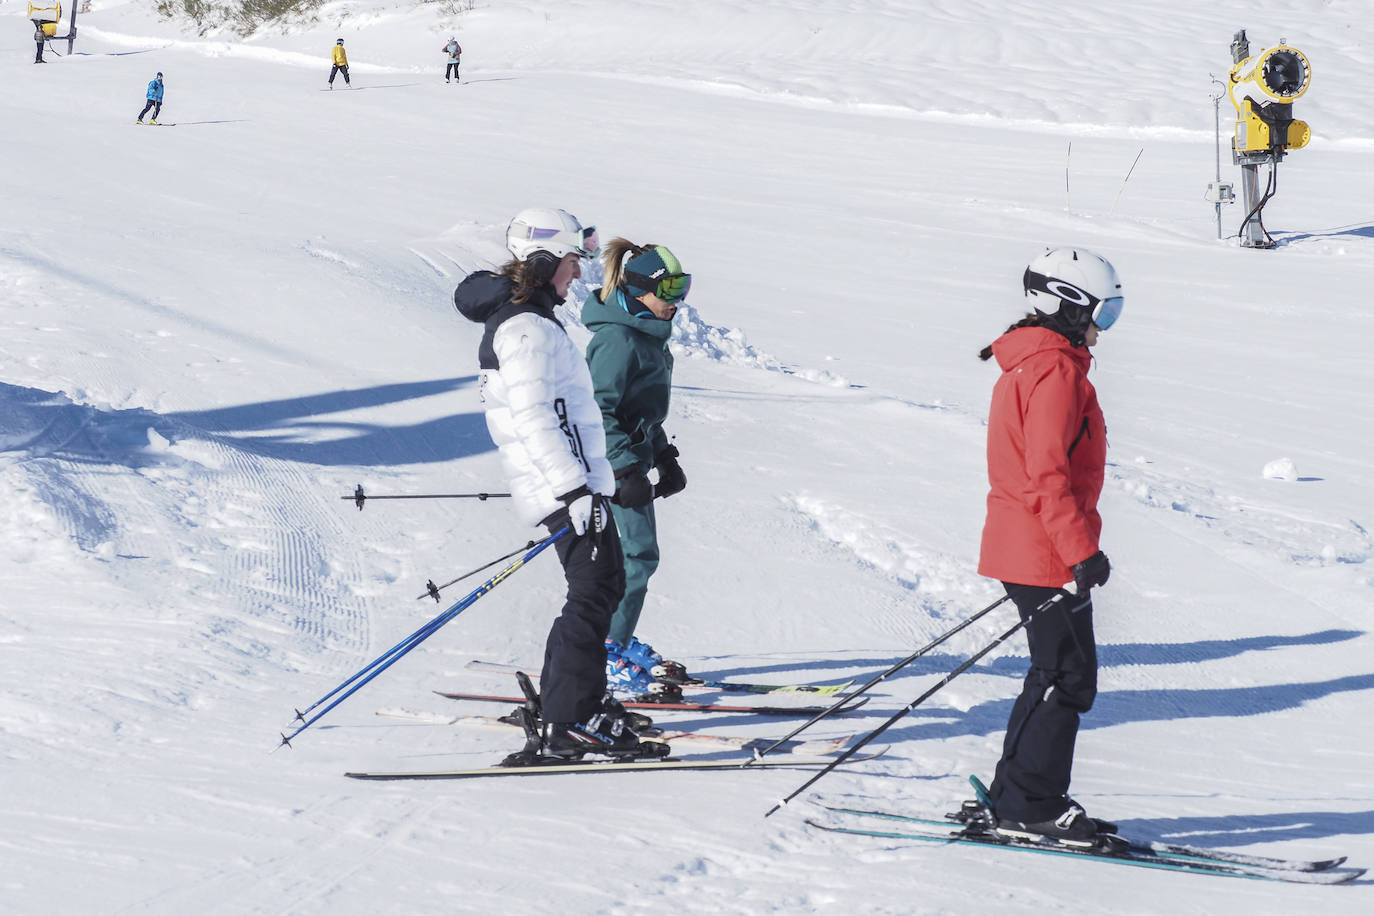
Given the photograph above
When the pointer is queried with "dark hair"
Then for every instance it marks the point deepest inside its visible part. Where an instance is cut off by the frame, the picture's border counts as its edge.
(529, 275)
(1032, 320)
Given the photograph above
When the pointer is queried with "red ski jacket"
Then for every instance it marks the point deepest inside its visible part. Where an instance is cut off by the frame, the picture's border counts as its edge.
(1047, 451)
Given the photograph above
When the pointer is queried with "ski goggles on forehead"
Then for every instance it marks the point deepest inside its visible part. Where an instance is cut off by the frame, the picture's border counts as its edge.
(671, 288)
(589, 241)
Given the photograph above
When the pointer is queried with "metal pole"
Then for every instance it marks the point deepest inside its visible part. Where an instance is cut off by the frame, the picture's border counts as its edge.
(1217, 109)
(1251, 236)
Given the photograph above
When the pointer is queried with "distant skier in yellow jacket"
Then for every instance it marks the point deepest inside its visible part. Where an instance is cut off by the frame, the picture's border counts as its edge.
(340, 64)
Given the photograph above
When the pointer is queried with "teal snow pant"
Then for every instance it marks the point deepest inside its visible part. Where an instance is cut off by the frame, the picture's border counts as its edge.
(639, 540)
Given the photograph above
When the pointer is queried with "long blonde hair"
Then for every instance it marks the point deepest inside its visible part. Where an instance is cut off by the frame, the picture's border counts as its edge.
(613, 255)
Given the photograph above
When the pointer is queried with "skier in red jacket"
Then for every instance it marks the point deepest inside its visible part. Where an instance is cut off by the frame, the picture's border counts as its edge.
(1047, 449)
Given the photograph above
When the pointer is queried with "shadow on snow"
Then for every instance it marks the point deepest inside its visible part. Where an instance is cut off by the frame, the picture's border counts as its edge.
(49, 425)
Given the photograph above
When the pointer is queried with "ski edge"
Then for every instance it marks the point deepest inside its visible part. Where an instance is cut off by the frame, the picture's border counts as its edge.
(1158, 848)
(803, 748)
(848, 707)
(600, 766)
(1137, 859)
(696, 682)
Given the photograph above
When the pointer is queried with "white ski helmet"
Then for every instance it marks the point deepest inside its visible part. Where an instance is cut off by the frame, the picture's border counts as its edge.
(1077, 285)
(544, 229)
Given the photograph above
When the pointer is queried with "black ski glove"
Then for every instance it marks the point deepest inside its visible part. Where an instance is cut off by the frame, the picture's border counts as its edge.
(633, 488)
(1093, 571)
(671, 479)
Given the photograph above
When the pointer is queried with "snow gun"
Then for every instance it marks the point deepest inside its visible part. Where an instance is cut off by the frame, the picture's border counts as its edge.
(1262, 88)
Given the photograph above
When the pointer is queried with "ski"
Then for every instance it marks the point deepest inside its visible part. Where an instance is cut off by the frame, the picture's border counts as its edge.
(816, 748)
(586, 767)
(1164, 849)
(797, 711)
(1132, 855)
(697, 683)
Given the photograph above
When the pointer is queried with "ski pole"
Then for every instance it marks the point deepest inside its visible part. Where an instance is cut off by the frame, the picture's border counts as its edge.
(759, 755)
(394, 654)
(1053, 600)
(359, 497)
(432, 590)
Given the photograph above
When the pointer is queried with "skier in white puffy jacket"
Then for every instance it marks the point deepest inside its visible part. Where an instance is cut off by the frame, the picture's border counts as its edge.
(543, 417)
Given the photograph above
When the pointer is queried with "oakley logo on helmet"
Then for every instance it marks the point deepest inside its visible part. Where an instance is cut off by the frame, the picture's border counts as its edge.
(1063, 289)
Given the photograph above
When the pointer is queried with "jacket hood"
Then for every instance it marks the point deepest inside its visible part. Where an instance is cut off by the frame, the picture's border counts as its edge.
(481, 294)
(597, 314)
(1019, 345)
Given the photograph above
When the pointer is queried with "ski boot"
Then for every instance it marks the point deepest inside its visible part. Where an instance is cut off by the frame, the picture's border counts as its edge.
(627, 677)
(643, 655)
(1073, 827)
(640, 724)
(606, 733)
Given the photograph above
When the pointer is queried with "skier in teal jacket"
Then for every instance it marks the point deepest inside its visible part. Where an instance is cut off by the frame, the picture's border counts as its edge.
(631, 320)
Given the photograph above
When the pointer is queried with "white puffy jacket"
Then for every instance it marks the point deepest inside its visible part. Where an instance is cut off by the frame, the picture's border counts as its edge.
(537, 393)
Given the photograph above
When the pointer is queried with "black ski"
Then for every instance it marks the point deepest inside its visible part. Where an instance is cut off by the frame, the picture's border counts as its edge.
(584, 767)
(798, 711)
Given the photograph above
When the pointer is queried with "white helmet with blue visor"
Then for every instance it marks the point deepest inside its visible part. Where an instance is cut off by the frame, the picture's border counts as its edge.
(545, 229)
(1079, 286)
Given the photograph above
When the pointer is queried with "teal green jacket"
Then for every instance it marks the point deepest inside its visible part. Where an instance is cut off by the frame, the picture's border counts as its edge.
(632, 374)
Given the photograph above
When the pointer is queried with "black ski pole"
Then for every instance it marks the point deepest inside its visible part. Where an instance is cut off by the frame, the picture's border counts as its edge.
(1053, 600)
(432, 590)
(759, 755)
(394, 654)
(359, 497)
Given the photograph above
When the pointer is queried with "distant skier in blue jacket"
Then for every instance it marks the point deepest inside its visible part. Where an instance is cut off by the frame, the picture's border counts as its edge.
(154, 99)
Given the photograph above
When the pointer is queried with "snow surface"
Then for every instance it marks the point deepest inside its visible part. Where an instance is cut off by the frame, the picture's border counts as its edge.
(212, 333)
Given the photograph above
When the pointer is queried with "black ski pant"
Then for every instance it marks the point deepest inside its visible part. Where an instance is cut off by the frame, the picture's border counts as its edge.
(38, 56)
(451, 71)
(573, 682)
(339, 68)
(1032, 779)
(153, 104)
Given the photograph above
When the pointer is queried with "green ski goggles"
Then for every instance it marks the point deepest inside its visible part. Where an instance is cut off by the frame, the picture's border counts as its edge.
(671, 288)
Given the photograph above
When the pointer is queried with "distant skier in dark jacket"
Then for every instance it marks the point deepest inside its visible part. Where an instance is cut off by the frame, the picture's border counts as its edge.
(41, 39)
(454, 51)
(1047, 450)
(631, 320)
(154, 99)
(537, 394)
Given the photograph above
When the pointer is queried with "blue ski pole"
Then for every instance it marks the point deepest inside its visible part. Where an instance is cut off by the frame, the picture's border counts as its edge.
(393, 655)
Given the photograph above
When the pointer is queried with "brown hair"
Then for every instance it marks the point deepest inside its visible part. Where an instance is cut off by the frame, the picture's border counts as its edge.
(527, 277)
